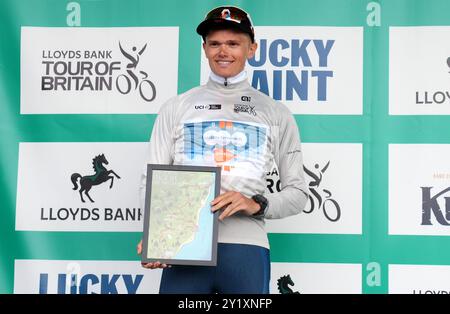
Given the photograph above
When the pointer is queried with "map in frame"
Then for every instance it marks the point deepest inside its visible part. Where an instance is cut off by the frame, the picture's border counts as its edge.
(179, 227)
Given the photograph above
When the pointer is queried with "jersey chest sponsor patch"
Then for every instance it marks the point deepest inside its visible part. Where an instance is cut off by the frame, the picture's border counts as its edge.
(229, 144)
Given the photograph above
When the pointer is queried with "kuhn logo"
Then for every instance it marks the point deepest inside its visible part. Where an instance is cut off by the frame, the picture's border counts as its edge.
(430, 205)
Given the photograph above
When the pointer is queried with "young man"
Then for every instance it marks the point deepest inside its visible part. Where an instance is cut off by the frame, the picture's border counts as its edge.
(244, 131)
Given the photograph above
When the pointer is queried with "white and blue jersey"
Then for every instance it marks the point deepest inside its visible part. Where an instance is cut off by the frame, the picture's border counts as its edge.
(232, 125)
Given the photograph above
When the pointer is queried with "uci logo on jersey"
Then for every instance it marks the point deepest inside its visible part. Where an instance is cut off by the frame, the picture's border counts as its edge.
(208, 107)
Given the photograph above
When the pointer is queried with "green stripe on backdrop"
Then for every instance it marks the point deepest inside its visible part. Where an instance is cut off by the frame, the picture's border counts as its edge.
(285, 247)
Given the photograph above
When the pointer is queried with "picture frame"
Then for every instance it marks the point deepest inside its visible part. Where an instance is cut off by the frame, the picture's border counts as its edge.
(179, 227)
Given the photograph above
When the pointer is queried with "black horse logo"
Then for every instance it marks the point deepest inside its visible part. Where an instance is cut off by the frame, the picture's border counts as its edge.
(101, 175)
(284, 283)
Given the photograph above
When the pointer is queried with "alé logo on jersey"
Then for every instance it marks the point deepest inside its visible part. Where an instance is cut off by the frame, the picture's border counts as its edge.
(284, 69)
(89, 283)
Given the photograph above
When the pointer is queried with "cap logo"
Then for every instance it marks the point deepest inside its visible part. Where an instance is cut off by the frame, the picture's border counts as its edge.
(226, 15)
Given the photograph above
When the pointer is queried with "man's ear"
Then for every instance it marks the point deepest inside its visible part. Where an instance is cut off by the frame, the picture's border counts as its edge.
(252, 50)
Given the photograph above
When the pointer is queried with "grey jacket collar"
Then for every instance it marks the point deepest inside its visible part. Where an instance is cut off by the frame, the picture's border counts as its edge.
(230, 80)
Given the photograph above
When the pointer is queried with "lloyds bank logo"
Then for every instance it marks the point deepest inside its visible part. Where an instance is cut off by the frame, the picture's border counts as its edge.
(430, 97)
(284, 285)
(83, 184)
(101, 175)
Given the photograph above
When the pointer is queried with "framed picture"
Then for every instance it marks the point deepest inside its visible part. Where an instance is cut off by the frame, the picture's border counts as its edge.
(179, 227)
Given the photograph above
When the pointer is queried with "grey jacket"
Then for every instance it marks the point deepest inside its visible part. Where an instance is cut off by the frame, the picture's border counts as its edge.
(244, 131)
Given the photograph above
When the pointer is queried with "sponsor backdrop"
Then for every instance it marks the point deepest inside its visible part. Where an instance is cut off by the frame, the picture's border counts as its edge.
(81, 83)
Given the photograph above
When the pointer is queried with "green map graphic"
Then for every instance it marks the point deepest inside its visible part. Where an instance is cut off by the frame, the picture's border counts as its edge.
(176, 202)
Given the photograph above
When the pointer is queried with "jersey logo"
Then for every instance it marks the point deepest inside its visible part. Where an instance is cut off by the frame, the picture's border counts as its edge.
(245, 108)
(228, 144)
(208, 107)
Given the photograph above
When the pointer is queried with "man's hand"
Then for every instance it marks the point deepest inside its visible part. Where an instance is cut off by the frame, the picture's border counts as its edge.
(232, 202)
(150, 265)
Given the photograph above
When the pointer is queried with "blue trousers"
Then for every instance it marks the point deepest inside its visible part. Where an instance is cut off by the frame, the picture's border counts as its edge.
(241, 269)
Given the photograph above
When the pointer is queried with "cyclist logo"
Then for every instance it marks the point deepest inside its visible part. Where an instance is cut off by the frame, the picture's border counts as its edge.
(124, 82)
(330, 207)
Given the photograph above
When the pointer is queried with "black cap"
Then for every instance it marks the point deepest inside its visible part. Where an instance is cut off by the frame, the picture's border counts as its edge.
(227, 17)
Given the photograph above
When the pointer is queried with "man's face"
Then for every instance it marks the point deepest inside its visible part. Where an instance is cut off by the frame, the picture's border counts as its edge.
(227, 51)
